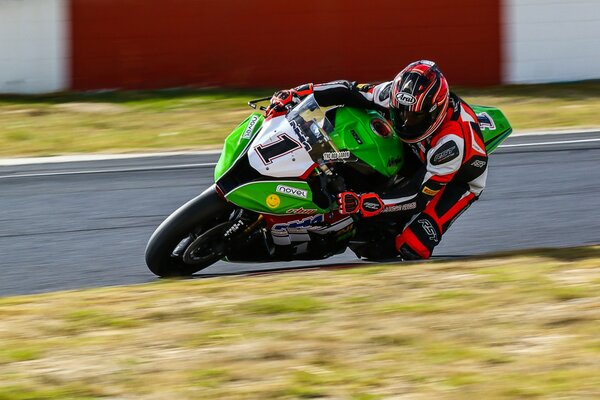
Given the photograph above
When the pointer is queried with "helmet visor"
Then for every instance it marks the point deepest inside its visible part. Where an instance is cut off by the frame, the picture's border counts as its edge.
(409, 125)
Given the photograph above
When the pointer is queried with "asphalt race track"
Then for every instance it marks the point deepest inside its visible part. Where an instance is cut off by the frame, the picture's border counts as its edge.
(85, 224)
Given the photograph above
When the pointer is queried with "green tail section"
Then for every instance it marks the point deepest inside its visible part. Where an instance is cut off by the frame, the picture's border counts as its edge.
(494, 126)
(237, 141)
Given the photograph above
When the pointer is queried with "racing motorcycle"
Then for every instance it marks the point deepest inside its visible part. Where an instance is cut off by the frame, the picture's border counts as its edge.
(276, 181)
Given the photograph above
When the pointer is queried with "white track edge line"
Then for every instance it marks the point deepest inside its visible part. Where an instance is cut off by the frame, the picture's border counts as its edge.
(185, 166)
(5, 162)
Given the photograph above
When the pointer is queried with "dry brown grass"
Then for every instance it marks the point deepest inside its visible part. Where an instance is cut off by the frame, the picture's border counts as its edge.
(510, 327)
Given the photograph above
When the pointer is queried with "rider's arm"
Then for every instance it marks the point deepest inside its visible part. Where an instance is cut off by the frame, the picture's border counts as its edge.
(443, 163)
(366, 96)
(374, 97)
(412, 195)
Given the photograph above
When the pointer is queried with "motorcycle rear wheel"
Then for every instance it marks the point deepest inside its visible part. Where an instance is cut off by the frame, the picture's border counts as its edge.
(196, 216)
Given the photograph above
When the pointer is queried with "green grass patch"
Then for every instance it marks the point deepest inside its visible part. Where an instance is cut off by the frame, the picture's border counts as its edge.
(132, 121)
(284, 305)
(86, 319)
(414, 308)
(19, 352)
(68, 392)
(566, 293)
(210, 377)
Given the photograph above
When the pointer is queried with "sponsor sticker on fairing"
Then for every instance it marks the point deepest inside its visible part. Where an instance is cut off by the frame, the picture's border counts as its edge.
(336, 155)
(301, 210)
(250, 128)
(299, 223)
(292, 191)
(273, 201)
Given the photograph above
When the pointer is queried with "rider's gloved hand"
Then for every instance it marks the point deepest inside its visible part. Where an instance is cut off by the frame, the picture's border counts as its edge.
(284, 100)
(348, 202)
(281, 102)
(368, 204)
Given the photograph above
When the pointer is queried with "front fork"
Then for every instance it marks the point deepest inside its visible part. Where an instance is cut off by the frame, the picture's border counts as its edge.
(247, 237)
(241, 228)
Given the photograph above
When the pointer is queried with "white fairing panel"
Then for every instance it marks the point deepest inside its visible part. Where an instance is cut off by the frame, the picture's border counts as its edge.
(278, 151)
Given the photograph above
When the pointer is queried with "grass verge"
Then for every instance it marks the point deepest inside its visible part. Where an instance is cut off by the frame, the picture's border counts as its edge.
(116, 122)
(505, 327)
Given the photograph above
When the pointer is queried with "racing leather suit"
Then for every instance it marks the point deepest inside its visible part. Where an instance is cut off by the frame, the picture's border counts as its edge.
(452, 171)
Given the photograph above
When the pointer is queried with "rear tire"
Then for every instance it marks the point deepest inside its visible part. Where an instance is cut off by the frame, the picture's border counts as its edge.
(199, 214)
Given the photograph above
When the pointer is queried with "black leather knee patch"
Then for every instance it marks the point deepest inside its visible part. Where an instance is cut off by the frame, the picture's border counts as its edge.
(426, 230)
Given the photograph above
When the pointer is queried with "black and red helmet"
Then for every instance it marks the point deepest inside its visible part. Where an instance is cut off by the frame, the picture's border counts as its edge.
(418, 101)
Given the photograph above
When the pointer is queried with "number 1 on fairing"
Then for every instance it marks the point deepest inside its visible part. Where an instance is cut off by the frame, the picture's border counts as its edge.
(284, 145)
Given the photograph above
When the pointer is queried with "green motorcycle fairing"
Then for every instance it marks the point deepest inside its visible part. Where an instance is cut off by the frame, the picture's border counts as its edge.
(276, 197)
(365, 134)
(237, 141)
(369, 137)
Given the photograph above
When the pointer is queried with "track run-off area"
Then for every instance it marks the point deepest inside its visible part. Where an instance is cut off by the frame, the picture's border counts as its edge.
(74, 224)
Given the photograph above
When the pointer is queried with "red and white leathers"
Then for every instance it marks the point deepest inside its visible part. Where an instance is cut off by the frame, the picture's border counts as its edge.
(452, 175)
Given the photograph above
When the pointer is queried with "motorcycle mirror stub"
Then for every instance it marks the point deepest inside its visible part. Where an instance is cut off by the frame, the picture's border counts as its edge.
(252, 103)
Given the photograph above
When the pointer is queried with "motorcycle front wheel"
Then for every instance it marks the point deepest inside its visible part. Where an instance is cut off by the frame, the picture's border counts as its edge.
(196, 216)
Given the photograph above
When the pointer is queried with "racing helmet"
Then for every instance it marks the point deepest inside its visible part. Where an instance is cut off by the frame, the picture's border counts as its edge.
(418, 101)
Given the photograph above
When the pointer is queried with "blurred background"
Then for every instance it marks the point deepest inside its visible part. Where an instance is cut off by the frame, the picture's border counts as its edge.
(130, 76)
(65, 45)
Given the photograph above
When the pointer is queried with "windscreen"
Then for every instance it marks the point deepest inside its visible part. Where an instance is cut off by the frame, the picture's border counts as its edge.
(312, 126)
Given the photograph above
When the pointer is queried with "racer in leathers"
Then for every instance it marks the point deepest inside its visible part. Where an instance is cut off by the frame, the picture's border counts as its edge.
(440, 129)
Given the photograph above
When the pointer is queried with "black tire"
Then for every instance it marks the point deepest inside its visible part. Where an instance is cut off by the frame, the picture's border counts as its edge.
(201, 213)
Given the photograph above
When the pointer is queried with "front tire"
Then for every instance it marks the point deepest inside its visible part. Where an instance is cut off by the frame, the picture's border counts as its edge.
(199, 214)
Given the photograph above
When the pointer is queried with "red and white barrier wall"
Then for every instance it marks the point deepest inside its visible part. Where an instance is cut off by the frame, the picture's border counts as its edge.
(550, 40)
(55, 45)
(34, 46)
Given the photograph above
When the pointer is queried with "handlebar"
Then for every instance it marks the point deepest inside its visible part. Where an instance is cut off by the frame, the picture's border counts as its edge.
(252, 103)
